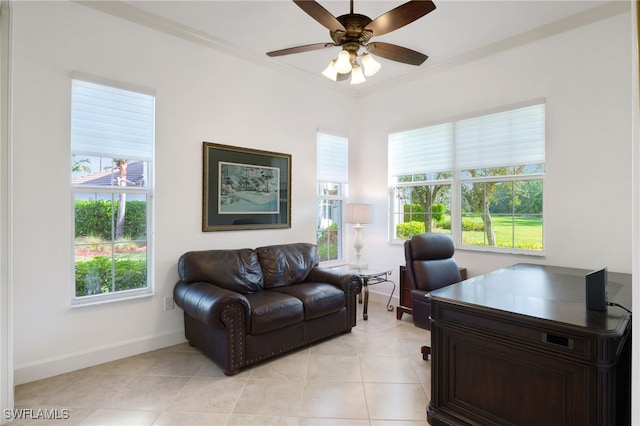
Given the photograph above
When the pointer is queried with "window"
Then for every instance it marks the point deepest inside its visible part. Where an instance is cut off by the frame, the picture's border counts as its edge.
(332, 178)
(478, 179)
(112, 139)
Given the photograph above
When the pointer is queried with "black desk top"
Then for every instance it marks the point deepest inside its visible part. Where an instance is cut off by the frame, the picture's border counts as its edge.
(546, 292)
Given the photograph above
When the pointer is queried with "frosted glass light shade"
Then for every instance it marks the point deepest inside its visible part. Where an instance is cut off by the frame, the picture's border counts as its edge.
(356, 75)
(330, 72)
(371, 66)
(343, 64)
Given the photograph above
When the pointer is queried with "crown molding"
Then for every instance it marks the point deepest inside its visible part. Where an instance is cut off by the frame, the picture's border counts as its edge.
(599, 13)
(155, 22)
(168, 26)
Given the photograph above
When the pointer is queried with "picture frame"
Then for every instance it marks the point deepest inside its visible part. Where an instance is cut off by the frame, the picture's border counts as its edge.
(245, 189)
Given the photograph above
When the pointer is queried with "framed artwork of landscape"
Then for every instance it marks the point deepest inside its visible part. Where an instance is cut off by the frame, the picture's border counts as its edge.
(245, 188)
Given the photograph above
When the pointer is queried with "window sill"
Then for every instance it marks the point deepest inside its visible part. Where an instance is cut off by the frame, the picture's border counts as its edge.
(486, 249)
(497, 250)
(101, 299)
(333, 263)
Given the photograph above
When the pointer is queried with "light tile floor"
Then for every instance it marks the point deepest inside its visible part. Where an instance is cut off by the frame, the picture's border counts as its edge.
(373, 376)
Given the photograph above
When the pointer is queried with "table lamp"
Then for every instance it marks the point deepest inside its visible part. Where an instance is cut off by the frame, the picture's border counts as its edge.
(358, 214)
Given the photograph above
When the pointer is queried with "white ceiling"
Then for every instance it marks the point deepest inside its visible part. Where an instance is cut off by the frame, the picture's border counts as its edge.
(455, 31)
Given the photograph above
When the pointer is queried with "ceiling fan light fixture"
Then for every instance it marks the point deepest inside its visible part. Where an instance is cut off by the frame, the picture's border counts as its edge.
(357, 76)
(353, 31)
(343, 64)
(371, 66)
(330, 72)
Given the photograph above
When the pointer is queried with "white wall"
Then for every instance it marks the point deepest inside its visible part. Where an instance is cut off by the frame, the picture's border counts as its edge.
(6, 314)
(583, 74)
(201, 95)
(635, 78)
(585, 77)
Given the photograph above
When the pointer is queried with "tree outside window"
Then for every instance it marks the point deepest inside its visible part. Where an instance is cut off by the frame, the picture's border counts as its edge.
(110, 205)
(332, 177)
(479, 179)
(112, 140)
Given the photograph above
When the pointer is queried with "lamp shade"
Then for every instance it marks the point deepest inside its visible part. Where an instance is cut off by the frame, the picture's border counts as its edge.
(358, 213)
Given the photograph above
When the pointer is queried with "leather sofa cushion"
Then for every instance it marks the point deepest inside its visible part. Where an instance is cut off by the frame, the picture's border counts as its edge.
(271, 310)
(287, 264)
(235, 270)
(319, 299)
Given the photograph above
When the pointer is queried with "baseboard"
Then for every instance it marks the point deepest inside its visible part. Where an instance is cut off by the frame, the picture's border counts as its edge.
(379, 297)
(50, 367)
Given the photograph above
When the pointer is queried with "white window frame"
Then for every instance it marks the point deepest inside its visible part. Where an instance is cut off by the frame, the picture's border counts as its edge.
(99, 146)
(393, 202)
(447, 161)
(333, 169)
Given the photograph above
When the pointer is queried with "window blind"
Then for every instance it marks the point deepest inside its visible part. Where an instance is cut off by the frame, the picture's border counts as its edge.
(111, 122)
(506, 138)
(332, 159)
(421, 150)
(513, 137)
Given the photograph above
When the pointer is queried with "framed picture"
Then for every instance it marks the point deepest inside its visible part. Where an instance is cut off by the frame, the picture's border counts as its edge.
(245, 189)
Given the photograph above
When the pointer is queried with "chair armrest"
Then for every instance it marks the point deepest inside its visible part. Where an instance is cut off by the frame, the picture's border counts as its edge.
(207, 302)
(349, 283)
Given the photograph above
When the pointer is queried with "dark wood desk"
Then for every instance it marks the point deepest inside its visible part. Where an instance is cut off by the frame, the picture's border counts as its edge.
(517, 346)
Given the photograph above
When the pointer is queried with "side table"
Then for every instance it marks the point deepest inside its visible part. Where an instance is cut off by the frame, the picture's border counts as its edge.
(371, 277)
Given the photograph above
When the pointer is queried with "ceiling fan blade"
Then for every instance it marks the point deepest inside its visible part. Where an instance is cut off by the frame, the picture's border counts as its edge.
(396, 53)
(400, 16)
(343, 77)
(320, 14)
(300, 49)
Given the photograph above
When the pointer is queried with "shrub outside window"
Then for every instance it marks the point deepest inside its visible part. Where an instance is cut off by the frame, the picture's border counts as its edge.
(503, 213)
(332, 179)
(329, 216)
(422, 205)
(479, 179)
(111, 181)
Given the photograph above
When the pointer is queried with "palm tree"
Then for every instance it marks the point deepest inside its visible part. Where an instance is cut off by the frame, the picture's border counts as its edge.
(80, 165)
(122, 202)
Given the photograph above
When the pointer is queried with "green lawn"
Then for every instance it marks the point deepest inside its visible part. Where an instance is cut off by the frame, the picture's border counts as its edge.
(521, 232)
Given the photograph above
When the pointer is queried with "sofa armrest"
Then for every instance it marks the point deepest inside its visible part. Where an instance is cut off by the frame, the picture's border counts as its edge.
(207, 302)
(349, 283)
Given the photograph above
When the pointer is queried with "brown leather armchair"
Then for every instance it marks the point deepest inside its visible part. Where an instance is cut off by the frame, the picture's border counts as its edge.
(430, 265)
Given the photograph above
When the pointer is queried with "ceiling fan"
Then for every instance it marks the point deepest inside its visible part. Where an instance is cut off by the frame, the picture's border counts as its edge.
(354, 31)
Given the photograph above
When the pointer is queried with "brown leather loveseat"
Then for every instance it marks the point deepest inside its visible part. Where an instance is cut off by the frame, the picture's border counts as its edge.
(243, 306)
